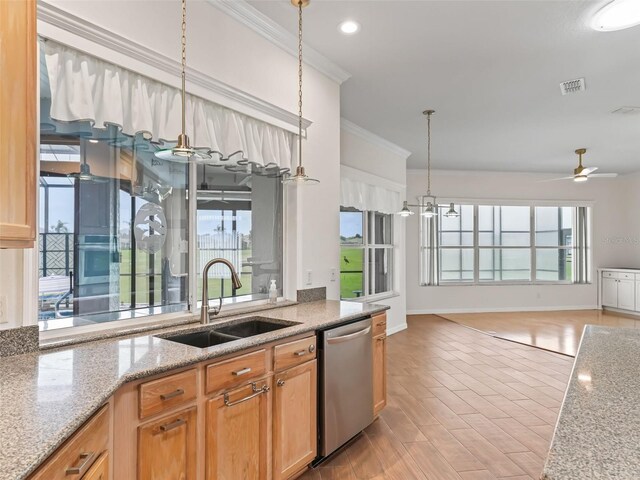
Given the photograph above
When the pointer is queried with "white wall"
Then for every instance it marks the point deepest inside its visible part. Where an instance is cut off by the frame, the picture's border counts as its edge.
(387, 166)
(611, 220)
(226, 50)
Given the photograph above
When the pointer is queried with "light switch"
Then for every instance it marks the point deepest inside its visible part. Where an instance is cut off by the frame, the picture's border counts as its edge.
(309, 277)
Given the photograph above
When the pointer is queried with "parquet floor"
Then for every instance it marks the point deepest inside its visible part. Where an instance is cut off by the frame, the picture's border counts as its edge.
(461, 406)
(558, 331)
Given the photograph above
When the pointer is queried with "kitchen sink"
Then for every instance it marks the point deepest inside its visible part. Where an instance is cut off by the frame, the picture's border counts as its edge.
(253, 326)
(203, 339)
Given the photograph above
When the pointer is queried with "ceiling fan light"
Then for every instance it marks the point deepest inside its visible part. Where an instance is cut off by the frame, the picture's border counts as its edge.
(580, 178)
(452, 213)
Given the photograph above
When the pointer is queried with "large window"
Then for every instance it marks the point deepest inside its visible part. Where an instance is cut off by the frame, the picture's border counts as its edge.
(366, 253)
(506, 244)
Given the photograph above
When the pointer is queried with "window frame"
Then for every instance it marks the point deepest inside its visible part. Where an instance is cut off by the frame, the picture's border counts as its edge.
(424, 248)
(367, 249)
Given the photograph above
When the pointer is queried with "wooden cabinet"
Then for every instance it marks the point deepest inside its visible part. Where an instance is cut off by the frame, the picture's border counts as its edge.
(294, 419)
(167, 447)
(100, 469)
(18, 128)
(76, 458)
(167, 392)
(379, 362)
(237, 433)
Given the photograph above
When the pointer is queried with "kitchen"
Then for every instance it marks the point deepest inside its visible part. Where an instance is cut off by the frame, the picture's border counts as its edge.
(184, 309)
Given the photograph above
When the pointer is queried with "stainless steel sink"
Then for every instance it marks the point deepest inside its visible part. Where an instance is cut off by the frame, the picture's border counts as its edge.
(203, 339)
(253, 326)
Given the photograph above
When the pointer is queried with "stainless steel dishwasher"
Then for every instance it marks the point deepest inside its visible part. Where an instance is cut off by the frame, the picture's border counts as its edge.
(346, 387)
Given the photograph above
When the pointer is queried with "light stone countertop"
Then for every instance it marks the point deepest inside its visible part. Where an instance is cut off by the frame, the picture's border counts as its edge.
(46, 396)
(598, 431)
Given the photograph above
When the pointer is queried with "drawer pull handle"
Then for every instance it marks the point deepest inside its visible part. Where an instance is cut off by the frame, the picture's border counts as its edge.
(244, 371)
(280, 383)
(86, 461)
(174, 394)
(256, 392)
(380, 324)
(170, 426)
(300, 353)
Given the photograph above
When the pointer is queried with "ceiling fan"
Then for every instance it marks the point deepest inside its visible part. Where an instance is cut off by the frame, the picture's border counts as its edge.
(582, 174)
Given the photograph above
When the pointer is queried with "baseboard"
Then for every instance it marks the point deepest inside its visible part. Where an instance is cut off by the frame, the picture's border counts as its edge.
(396, 328)
(501, 309)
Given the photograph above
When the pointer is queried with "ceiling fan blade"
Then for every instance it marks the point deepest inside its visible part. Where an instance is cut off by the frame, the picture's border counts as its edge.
(555, 179)
(603, 175)
(588, 171)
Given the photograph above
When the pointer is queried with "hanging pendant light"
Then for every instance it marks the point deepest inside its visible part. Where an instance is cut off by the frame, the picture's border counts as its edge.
(451, 213)
(431, 206)
(405, 212)
(183, 152)
(85, 174)
(300, 177)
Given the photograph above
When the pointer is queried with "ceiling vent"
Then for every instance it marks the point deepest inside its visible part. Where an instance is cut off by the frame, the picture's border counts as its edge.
(573, 86)
(627, 111)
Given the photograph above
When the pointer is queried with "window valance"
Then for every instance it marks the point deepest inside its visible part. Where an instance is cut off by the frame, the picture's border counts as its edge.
(365, 196)
(87, 89)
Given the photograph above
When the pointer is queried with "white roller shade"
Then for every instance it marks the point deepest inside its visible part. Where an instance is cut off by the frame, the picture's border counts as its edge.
(85, 88)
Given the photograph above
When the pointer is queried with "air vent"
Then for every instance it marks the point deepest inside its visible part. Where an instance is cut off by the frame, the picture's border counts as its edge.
(627, 111)
(573, 86)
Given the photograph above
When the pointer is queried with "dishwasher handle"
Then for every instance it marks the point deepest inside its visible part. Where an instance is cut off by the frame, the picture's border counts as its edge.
(351, 336)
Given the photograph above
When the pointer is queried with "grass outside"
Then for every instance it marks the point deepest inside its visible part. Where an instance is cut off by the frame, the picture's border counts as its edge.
(351, 272)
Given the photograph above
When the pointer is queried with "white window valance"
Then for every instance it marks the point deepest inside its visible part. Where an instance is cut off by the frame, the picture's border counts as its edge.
(85, 88)
(366, 196)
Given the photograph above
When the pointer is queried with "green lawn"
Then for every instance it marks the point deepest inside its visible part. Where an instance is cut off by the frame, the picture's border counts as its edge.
(351, 272)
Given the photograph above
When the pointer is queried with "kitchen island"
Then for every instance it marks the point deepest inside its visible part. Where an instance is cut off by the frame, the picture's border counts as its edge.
(598, 431)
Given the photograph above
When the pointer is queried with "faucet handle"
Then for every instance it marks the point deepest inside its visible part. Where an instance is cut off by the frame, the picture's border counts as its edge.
(216, 310)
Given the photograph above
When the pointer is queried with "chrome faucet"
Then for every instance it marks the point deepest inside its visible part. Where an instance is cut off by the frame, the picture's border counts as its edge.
(205, 315)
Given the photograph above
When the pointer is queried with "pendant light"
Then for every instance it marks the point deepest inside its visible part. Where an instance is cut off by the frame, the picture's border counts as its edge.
(183, 152)
(300, 177)
(85, 174)
(451, 213)
(431, 207)
(405, 212)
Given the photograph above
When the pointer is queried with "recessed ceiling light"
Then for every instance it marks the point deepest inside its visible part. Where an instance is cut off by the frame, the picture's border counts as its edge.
(617, 15)
(349, 27)
(93, 140)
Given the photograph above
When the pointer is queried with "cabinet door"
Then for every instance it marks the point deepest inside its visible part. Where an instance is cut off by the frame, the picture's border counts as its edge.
(18, 123)
(100, 469)
(167, 447)
(379, 373)
(609, 292)
(637, 296)
(295, 436)
(237, 433)
(627, 294)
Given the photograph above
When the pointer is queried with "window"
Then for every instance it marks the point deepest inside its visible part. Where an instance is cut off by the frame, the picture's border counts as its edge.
(366, 253)
(506, 244)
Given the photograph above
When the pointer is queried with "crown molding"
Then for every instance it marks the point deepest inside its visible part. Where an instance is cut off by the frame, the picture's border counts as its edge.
(373, 139)
(257, 21)
(213, 89)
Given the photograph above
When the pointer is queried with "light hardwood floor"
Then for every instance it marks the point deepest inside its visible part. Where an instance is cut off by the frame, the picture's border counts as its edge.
(462, 406)
(558, 331)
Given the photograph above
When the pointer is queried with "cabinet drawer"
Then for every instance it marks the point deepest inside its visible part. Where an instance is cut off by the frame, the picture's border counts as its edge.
(609, 275)
(100, 469)
(236, 370)
(627, 276)
(80, 452)
(294, 353)
(167, 392)
(379, 323)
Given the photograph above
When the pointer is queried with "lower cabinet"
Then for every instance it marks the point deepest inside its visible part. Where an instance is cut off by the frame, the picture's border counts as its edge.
(167, 447)
(100, 469)
(295, 437)
(237, 433)
(379, 373)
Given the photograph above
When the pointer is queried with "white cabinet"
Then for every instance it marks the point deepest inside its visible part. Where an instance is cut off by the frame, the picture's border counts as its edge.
(627, 294)
(609, 292)
(620, 289)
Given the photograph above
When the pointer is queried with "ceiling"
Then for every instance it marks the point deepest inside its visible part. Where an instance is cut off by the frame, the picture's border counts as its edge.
(491, 70)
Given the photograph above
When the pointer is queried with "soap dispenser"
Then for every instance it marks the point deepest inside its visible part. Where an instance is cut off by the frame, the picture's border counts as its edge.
(273, 292)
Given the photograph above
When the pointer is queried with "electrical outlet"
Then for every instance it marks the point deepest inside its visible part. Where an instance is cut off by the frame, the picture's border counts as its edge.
(334, 275)
(309, 277)
(3, 309)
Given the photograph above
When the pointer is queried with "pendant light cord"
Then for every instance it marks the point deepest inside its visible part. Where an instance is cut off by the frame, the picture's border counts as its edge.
(299, 83)
(428, 154)
(184, 62)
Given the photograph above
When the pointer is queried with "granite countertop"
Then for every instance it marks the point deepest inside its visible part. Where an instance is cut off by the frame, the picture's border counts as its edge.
(598, 430)
(45, 396)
